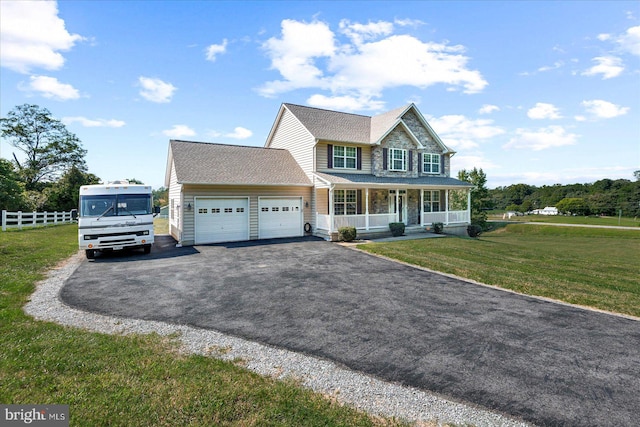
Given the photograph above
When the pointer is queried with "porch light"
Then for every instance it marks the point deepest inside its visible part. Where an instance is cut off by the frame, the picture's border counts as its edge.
(189, 207)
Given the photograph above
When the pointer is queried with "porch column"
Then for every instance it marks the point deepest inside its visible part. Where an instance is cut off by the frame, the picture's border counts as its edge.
(396, 219)
(446, 206)
(421, 210)
(366, 208)
(331, 209)
(469, 205)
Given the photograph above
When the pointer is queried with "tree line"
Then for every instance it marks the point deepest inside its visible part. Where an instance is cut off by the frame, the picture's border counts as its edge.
(603, 197)
(51, 168)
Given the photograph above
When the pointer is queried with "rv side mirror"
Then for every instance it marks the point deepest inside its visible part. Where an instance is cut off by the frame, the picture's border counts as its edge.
(156, 210)
(74, 214)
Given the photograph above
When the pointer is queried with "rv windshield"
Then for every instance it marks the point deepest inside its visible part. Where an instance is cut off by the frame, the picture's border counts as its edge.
(115, 205)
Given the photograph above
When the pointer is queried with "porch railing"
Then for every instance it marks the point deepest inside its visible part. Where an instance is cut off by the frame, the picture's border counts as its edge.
(377, 221)
(451, 217)
(358, 221)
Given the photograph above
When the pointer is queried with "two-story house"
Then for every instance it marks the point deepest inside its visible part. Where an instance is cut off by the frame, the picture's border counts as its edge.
(319, 170)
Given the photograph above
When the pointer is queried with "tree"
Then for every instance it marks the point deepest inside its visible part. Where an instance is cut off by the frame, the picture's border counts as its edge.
(161, 196)
(50, 149)
(479, 194)
(573, 205)
(65, 194)
(12, 196)
(636, 175)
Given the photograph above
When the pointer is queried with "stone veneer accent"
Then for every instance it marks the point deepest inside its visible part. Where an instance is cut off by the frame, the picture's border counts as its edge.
(398, 138)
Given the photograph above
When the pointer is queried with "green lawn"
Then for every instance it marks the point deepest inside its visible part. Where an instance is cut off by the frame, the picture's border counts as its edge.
(586, 220)
(136, 380)
(587, 266)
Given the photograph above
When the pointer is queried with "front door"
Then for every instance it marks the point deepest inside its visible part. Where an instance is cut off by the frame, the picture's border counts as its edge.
(398, 204)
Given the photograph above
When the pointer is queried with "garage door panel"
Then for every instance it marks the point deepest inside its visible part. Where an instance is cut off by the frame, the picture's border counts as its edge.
(221, 220)
(280, 217)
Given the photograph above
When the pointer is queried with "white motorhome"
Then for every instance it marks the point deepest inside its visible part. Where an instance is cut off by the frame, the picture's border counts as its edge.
(115, 216)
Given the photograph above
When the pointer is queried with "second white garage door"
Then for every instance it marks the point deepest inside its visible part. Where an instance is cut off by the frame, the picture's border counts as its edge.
(280, 217)
(221, 220)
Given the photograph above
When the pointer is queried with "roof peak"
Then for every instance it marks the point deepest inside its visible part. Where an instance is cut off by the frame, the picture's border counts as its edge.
(222, 144)
(404, 107)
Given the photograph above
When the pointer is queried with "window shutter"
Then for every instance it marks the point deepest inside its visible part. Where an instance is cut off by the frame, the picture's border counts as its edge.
(441, 164)
(359, 202)
(385, 157)
(410, 160)
(420, 163)
(330, 156)
(359, 158)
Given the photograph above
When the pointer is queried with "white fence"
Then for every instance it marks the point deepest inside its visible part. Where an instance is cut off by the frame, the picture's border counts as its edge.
(33, 219)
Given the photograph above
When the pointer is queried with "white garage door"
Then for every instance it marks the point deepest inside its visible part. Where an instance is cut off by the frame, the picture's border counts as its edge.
(221, 220)
(281, 217)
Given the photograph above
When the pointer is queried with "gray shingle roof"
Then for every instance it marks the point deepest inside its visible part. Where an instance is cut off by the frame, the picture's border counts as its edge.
(345, 127)
(333, 125)
(208, 163)
(360, 179)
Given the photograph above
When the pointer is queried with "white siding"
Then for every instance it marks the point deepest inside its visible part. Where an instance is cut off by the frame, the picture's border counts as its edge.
(321, 159)
(191, 191)
(174, 204)
(291, 135)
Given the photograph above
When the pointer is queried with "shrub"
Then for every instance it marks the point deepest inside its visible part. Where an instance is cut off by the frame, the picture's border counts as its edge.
(347, 234)
(397, 228)
(474, 230)
(438, 227)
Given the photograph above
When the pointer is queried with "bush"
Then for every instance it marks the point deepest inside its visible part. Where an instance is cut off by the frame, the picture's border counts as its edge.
(397, 228)
(347, 234)
(474, 230)
(438, 227)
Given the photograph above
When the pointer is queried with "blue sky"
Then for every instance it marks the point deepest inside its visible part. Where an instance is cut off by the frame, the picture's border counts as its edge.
(531, 92)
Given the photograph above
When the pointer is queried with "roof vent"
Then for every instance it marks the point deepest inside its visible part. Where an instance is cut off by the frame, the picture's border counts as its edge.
(120, 181)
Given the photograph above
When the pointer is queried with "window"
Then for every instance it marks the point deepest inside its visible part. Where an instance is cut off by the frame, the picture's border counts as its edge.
(202, 210)
(115, 205)
(432, 201)
(397, 159)
(345, 202)
(239, 210)
(215, 210)
(345, 157)
(430, 163)
(264, 209)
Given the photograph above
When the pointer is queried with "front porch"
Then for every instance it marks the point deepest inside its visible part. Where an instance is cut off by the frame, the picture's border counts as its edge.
(370, 210)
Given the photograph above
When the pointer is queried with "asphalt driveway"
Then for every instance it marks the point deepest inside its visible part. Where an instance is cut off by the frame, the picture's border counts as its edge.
(546, 363)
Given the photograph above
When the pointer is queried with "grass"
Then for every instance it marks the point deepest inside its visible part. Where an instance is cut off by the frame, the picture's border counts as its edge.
(584, 220)
(138, 380)
(586, 266)
(160, 226)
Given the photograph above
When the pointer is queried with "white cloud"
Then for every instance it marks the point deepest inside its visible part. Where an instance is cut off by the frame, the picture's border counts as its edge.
(488, 109)
(544, 111)
(541, 139)
(467, 162)
(607, 66)
(359, 33)
(459, 132)
(179, 131)
(630, 41)
(555, 66)
(90, 123)
(51, 88)
(155, 90)
(603, 37)
(309, 55)
(239, 133)
(216, 49)
(604, 109)
(32, 36)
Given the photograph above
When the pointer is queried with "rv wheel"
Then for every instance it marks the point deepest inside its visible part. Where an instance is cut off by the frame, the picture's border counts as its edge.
(147, 249)
(90, 253)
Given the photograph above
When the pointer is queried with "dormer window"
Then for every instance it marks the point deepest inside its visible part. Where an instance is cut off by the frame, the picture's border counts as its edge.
(345, 157)
(397, 159)
(431, 163)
